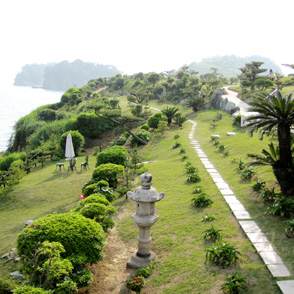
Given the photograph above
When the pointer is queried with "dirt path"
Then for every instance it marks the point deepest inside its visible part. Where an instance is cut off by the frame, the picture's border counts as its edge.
(111, 272)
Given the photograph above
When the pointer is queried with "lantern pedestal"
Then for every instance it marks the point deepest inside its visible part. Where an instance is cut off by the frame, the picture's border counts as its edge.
(145, 198)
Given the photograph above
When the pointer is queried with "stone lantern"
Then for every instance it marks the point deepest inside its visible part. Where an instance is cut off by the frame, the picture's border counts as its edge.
(145, 198)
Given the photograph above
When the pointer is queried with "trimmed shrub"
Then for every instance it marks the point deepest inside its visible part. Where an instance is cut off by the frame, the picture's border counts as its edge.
(82, 238)
(154, 120)
(77, 140)
(145, 127)
(115, 154)
(108, 172)
(47, 115)
(6, 162)
(94, 198)
(100, 213)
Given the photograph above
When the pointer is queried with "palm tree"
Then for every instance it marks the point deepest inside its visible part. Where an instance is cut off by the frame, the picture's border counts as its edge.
(276, 114)
(170, 113)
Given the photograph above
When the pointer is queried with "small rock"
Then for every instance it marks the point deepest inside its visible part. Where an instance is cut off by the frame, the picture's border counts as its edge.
(16, 275)
(230, 134)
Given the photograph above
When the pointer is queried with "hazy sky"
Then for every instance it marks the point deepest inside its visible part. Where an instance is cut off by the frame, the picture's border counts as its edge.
(139, 35)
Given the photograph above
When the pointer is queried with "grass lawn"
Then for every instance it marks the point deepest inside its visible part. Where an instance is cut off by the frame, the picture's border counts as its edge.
(44, 190)
(178, 234)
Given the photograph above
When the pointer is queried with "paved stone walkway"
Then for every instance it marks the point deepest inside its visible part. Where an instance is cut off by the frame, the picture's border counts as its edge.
(262, 245)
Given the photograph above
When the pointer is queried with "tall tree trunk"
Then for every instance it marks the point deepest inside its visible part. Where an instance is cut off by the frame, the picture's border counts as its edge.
(284, 138)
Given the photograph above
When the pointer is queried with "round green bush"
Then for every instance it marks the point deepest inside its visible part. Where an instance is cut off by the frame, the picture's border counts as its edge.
(90, 189)
(47, 115)
(154, 120)
(94, 198)
(108, 172)
(115, 154)
(77, 140)
(145, 127)
(82, 238)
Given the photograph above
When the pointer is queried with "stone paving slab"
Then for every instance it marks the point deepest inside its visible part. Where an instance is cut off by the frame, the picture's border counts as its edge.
(258, 237)
(215, 175)
(202, 156)
(286, 286)
(263, 247)
(250, 227)
(218, 180)
(227, 192)
(222, 186)
(279, 271)
(231, 199)
(271, 258)
(241, 214)
(237, 207)
(208, 165)
(211, 170)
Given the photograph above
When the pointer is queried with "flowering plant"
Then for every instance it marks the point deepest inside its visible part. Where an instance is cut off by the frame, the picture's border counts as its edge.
(136, 284)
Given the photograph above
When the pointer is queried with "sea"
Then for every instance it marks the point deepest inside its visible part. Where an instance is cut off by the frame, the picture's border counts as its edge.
(16, 102)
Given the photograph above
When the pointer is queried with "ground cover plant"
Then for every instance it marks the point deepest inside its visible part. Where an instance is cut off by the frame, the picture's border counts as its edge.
(240, 145)
(178, 234)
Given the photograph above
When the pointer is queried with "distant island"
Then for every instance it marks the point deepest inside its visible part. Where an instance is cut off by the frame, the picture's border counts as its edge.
(63, 75)
(229, 65)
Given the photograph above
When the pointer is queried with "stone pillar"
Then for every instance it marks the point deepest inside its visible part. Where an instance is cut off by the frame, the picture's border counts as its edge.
(145, 198)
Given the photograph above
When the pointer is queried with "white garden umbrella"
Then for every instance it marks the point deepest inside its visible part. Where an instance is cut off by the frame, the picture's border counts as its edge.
(69, 150)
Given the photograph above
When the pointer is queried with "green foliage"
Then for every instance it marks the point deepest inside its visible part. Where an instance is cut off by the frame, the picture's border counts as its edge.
(83, 278)
(191, 169)
(47, 115)
(108, 172)
(258, 185)
(154, 120)
(82, 238)
(177, 136)
(7, 160)
(237, 120)
(146, 271)
(247, 173)
(179, 119)
(136, 284)
(170, 113)
(145, 127)
(122, 139)
(177, 145)
(212, 234)
(223, 255)
(94, 198)
(268, 195)
(194, 178)
(208, 218)
(115, 154)
(77, 140)
(289, 230)
(162, 126)
(282, 207)
(240, 163)
(197, 189)
(31, 290)
(100, 213)
(89, 125)
(7, 285)
(142, 134)
(235, 284)
(201, 200)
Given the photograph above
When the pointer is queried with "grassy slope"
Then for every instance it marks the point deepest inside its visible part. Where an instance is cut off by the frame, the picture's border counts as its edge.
(41, 192)
(178, 235)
